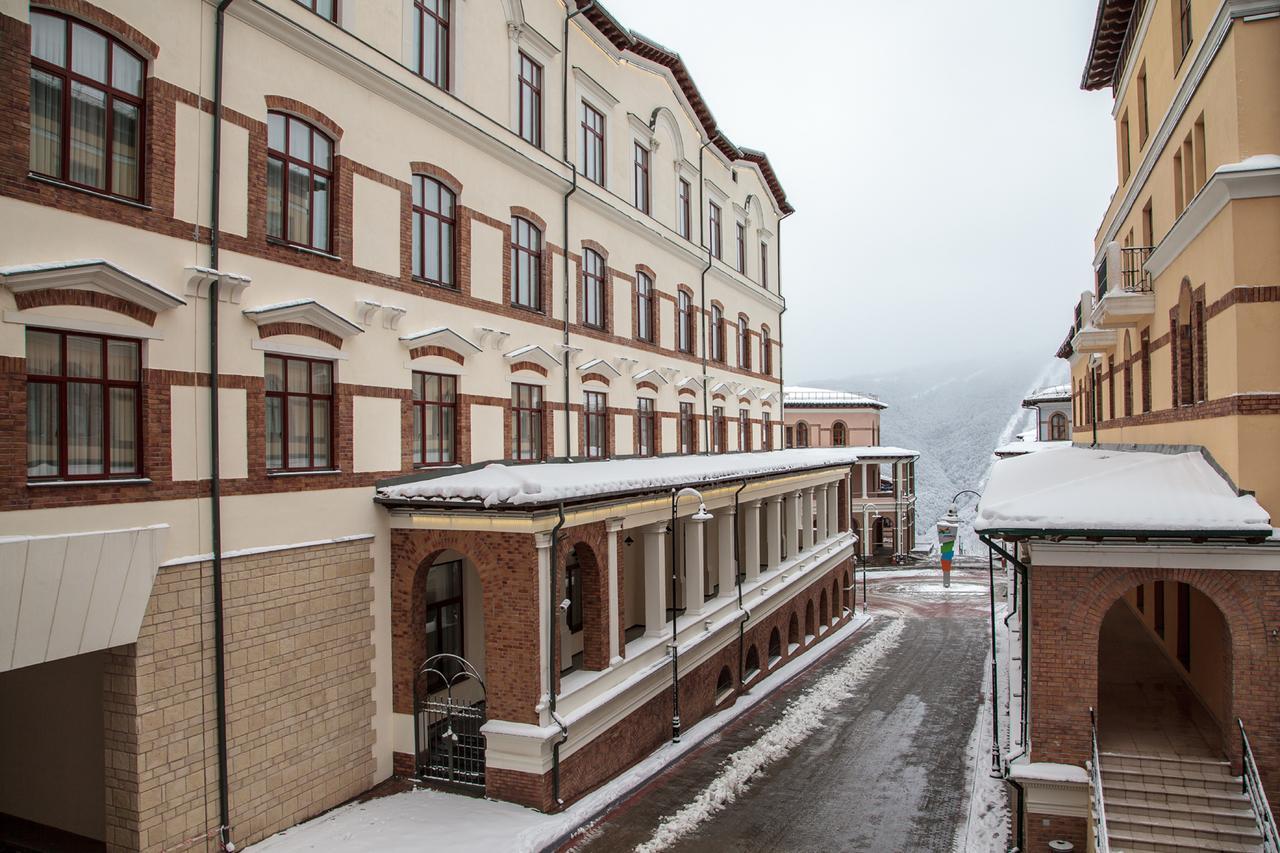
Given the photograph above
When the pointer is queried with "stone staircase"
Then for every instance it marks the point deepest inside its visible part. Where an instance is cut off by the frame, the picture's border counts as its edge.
(1171, 804)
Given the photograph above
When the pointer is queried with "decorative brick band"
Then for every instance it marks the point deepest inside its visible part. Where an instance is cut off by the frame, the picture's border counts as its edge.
(597, 248)
(86, 299)
(102, 18)
(431, 170)
(306, 111)
(744, 401)
(646, 386)
(530, 366)
(719, 397)
(596, 377)
(269, 330)
(688, 391)
(526, 213)
(431, 349)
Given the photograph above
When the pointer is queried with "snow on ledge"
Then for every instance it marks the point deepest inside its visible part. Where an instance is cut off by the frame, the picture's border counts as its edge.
(1045, 771)
(552, 482)
(1071, 488)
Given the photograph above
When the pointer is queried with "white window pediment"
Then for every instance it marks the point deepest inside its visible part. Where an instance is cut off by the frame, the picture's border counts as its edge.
(535, 354)
(600, 97)
(598, 365)
(650, 375)
(441, 336)
(306, 311)
(93, 274)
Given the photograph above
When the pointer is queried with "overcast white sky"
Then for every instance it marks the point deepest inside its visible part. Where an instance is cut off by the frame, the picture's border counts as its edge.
(947, 170)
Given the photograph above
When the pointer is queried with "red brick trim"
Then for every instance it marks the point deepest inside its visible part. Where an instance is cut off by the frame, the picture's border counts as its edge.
(717, 397)
(648, 270)
(282, 104)
(647, 386)
(1243, 295)
(269, 330)
(688, 391)
(86, 299)
(431, 170)
(92, 14)
(431, 349)
(596, 377)
(526, 213)
(597, 248)
(530, 366)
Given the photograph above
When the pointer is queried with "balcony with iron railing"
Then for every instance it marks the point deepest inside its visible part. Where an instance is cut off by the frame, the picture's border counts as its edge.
(1123, 287)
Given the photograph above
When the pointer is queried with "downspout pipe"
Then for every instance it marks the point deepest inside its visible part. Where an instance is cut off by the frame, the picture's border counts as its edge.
(552, 662)
(573, 188)
(702, 296)
(782, 398)
(215, 469)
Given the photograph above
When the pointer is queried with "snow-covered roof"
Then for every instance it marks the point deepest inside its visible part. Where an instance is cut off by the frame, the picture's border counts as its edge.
(1018, 448)
(800, 396)
(875, 453)
(1052, 394)
(1098, 490)
(502, 484)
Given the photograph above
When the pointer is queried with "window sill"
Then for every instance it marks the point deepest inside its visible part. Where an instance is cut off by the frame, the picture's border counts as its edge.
(55, 182)
(452, 288)
(306, 250)
(519, 307)
(304, 473)
(106, 481)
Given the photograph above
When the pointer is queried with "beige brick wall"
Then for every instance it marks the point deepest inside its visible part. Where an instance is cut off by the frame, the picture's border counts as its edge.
(299, 698)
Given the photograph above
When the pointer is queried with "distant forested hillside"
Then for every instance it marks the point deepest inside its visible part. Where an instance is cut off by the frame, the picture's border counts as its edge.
(955, 414)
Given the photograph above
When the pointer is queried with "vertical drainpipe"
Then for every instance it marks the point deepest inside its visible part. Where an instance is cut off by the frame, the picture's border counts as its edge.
(702, 238)
(782, 398)
(553, 663)
(573, 188)
(215, 471)
(737, 574)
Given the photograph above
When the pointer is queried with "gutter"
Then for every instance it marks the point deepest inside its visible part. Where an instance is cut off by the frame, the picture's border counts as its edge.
(702, 297)
(215, 469)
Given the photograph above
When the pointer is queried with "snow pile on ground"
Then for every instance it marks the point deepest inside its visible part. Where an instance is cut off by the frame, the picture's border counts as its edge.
(1083, 488)
(802, 717)
(426, 819)
(987, 828)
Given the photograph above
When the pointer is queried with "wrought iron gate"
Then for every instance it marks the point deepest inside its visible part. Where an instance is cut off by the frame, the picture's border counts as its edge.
(449, 709)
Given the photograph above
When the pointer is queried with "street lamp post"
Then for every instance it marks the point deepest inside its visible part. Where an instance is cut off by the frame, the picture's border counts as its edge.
(697, 518)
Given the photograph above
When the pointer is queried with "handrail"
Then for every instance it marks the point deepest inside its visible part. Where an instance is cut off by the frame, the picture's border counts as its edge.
(1101, 841)
(1251, 784)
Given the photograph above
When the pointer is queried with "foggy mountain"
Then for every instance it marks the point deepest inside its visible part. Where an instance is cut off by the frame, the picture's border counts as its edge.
(955, 415)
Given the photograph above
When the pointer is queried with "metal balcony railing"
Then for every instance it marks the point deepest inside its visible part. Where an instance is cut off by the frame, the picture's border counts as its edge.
(1251, 781)
(1101, 840)
(1133, 277)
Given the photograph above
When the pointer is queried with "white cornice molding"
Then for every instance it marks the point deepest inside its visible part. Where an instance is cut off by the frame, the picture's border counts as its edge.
(599, 364)
(1158, 555)
(1256, 177)
(588, 83)
(94, 274)
(306, 311)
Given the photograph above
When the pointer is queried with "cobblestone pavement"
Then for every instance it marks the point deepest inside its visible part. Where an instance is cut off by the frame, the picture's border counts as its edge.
(886, 771)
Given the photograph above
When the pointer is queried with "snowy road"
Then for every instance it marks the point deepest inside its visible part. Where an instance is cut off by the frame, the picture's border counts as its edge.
(881, 769)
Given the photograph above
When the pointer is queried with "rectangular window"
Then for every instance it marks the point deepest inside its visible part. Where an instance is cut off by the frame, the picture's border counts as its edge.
(766, 431)
(435, 418)
(1158, 595)
(766, 353)
(431, 40)
(717, 429)
(593, 289)
(1142, 598)
(1177, 183)
(646, 426)
(530, 106)
(573, 592)
(764, 265)
(434, 227)
(1184, 625)
(713, 217)
(526, 264)
(741, 235)
(744, 344)
(683, 208)
(526, 422)
(1148, 226)
(1183, 23)
(324, 8)
(299, 422)
(1125, 163)
(84, 406)
(593, 131)
(1143, 116)
(641, 178)
(644, 307)
(688, 435)
(744, 429)
(684, 323)
(1197, 135)
(1111, 387)
(1146, 370)
(300, 182)
(596, 417)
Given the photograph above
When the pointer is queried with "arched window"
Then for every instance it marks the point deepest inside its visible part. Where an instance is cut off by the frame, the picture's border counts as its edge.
(684, 323)
(526, 264)
(299, 182)
(433, 231)
(86, 106)
(431, 40)
(802, 434)
(839, 434)
(810, 624)
(1058, 427)
(766, 352)
(717, 333)
(724, 685)
(744, 348)
(753, 662)
(644, 307)
(593, 290)
(775, 646)
(793, 632)
(824, 609)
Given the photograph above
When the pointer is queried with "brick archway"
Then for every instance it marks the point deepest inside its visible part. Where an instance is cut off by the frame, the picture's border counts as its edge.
(589, 546)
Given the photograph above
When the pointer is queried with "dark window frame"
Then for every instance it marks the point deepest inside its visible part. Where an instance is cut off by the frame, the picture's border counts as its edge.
(744, 430)
(595, 416)
(645, 319)
(684, 209)
(764, 265)
(433, 611)
(839, 434)
(530, 88)
(111, 95)
(573, 616)
(1185, 37)
(740, 234)
(595, 290)
(718, 435)
(313, 170)
(684, 322)
(688, 430)
(766, 353)
(646, 426)
(744, 343)
(423, 216)
(441, 30)
(594, 141)
(717, 334)
(533, 411)
(715, 243)
(312, 398)
(447, 412)
(312, 4)
(61, 380)
(641, 179)
(766, 431)
(1158, 609)
(531, 247)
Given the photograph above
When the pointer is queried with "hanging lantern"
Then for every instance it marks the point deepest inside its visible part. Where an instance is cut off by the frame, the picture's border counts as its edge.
(948, 527)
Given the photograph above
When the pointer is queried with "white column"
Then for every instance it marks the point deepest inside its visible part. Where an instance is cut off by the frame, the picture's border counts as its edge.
(773, 530)
(694, 587)
(750, 524)
(833, 509)
(542, 541)
(865, 544)
(656, 580)
(612, 526)
(820, 514)
(727, 570)
(791, 523)
(806, 518)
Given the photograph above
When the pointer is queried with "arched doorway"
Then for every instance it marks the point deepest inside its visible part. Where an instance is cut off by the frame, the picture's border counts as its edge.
(882, 537)
(1164, 673)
